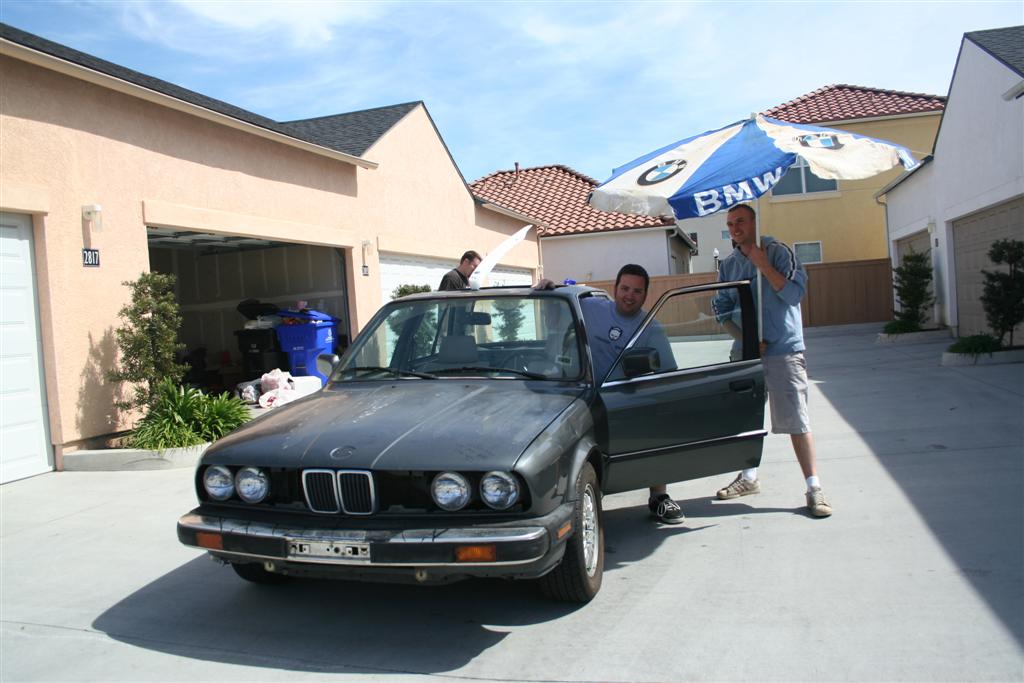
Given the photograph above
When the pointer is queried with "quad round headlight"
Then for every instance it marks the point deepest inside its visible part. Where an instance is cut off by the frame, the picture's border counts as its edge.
(218, 482)
(252, 484)
(450, 491)
(500, 490)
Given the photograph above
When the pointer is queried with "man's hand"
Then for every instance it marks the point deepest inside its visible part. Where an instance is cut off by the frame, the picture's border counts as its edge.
(757, 256)
(544, 283)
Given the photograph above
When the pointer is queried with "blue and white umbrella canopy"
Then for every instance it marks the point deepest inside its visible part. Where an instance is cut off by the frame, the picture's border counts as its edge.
(715, 170)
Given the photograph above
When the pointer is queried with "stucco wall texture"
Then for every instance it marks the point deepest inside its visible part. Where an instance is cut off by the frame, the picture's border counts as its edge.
(67, 143)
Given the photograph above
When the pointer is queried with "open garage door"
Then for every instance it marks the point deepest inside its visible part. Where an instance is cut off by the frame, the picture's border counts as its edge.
(403, 269)
(215, 273)
(24, 427)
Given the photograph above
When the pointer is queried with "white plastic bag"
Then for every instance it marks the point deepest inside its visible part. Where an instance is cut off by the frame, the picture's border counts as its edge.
(275, 379)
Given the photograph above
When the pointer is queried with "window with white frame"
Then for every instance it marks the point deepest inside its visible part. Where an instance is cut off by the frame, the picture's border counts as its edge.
(800, 180)
(808, 252)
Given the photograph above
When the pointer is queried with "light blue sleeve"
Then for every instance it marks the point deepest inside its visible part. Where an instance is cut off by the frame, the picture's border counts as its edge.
(784, 260)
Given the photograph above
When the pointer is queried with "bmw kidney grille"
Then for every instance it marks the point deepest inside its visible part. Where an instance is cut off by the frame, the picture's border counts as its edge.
(333, 491)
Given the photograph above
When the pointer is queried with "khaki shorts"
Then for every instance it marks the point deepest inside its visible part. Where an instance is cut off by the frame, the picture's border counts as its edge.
(786, 380)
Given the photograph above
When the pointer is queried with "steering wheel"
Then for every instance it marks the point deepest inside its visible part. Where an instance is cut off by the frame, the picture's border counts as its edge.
(521, 359)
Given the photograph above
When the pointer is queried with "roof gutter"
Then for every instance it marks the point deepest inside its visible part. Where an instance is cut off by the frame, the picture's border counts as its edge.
(891, 186)
(46, 61)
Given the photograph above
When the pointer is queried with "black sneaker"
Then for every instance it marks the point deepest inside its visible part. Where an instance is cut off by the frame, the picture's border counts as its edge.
(666, 510)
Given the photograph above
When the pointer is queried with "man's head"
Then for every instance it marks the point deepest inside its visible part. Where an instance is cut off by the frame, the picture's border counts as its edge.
(631, 289)
(468, 263)
(742, 223)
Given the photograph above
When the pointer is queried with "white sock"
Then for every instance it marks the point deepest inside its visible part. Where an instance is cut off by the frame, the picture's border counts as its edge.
(813, 481)
(750, 474)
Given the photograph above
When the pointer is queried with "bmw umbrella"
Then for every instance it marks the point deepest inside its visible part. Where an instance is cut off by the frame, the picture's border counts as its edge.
(712, 171)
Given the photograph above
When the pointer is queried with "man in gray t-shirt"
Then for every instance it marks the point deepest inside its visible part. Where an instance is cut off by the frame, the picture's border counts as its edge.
(610, 325)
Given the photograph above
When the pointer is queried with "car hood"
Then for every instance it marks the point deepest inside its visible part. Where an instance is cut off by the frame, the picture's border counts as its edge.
(402, 425)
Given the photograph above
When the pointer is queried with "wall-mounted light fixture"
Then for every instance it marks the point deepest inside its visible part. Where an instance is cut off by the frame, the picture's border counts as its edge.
(93, 215)
(367, 245)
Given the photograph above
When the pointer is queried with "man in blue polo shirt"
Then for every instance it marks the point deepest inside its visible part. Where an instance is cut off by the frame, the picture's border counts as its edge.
(782, 280)
(610, 326)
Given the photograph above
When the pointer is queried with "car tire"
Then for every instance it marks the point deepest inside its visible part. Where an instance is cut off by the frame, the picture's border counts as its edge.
(577, 578)
(252, 571)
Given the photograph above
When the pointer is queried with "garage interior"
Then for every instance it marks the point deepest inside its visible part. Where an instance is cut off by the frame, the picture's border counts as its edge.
(216, 273)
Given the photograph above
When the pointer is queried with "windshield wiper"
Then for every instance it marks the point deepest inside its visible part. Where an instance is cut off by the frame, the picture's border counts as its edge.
(393, 371)
(478, 368)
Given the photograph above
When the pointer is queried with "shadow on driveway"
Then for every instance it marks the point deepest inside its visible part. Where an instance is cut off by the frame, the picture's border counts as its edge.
(952, 439)
(203, 610)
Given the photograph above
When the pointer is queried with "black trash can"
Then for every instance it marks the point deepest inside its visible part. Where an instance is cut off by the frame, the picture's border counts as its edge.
(261, 351)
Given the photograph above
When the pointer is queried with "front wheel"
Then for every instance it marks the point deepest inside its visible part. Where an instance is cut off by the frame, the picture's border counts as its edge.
(577, 578)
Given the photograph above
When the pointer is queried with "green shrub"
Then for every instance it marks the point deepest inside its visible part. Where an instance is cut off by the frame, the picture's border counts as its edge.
(901, 327)
(219, 415)
(148, 339)
(912, 281)
(975, 345)
(1003, 296)
(184, 416)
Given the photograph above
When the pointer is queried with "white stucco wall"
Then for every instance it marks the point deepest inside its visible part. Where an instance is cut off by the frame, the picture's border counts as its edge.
(598, 256)
(979, 162)
(709, 237)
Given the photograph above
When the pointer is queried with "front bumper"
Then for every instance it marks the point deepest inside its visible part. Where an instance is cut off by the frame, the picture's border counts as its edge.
(524, 549)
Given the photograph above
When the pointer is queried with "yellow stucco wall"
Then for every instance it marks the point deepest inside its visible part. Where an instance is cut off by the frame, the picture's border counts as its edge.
(66, 143)
(849, 223)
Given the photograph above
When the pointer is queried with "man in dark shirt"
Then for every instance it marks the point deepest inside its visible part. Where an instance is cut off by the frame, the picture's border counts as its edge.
(458, 278)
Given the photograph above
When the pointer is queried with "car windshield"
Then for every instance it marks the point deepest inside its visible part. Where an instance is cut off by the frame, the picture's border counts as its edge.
(507, 337)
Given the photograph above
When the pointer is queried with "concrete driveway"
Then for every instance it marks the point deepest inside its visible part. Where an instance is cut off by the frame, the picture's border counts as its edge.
(917, 576)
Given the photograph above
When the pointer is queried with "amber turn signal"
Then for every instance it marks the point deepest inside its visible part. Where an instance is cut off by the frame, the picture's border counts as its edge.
(476, 553)
(208, 540)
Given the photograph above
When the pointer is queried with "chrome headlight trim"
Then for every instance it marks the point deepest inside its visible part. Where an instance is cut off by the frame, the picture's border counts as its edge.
(500, 490)
(252, 484)
(218, 482)
(450, 491)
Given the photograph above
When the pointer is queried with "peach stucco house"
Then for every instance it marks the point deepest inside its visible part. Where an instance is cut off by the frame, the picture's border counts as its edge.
(101, 162)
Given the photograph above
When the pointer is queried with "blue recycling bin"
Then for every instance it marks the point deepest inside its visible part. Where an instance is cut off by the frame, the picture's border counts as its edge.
(306, 340)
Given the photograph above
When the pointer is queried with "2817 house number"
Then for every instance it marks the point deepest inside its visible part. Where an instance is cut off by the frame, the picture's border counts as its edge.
(91, 258)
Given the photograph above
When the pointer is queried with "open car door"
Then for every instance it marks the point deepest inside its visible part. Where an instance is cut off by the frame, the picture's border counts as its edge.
(686, 398)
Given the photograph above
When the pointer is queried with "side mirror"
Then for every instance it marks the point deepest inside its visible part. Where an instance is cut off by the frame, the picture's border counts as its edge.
(326, 362)
(640, 361)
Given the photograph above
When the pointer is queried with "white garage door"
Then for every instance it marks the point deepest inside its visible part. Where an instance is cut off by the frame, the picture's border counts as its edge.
(400, 269)
(24, 433)
(972, 238)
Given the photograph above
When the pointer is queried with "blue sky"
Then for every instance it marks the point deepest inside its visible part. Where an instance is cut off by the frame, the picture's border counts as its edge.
(588, 84)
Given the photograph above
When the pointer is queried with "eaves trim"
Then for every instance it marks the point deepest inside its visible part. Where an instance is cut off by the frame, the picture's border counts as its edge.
(46, 61)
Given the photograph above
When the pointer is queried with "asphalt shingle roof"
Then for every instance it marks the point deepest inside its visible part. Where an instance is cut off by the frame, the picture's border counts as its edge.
(557, 196)
(1005, 44)
(841, 102)
(354, 132)
(350, 133)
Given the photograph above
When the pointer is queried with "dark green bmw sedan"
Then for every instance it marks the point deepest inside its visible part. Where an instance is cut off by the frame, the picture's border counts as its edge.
(464, 434)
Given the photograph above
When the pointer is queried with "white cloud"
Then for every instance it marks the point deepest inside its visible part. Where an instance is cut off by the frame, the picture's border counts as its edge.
(305, 24)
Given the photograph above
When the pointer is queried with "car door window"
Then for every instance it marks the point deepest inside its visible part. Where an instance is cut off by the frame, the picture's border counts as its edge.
(698, 410)
(693, 329)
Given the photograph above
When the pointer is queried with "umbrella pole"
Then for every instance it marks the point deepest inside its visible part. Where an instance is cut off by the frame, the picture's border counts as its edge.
(759, 293)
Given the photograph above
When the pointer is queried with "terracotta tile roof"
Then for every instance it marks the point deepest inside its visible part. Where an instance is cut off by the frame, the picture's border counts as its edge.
(557, 196)
(841, 102)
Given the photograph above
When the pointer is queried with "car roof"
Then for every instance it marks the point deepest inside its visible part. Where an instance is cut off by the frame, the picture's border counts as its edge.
(561, 291)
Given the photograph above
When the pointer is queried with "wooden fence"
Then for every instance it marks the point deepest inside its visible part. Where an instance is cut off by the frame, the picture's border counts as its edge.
(840, 293)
